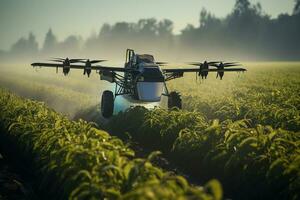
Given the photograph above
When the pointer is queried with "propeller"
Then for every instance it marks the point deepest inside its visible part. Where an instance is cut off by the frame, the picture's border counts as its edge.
(226, 64)
(195, 63)
(222, 65)
(231, 63)
(162, 63)
(201, 63)
(56, 60)
(88, 65)
(97, 61)
(66, 64)
(203, 66)
(73, 60)
(59, 59)
(91, 61)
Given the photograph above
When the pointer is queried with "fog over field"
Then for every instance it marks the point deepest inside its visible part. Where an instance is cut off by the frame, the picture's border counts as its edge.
(247, 33)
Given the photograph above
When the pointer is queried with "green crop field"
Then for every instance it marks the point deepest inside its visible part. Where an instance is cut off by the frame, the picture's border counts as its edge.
(243, 131)
(75, 161)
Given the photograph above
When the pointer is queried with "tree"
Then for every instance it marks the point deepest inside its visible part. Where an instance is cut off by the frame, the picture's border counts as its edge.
(71, 44)
(242, 6)
(105, 30)
(32, 43)
(25, 46)
(297, 7)
(165, 28)
(50, 42)
(147, 27)
(207, 20)
(121, 29)
(19, 46)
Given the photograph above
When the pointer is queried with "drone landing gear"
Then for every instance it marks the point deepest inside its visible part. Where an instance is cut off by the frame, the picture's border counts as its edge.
(107, 103)
(174, 100)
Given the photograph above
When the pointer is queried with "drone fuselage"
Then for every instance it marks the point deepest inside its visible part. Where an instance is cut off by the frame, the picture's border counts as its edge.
(148, 81)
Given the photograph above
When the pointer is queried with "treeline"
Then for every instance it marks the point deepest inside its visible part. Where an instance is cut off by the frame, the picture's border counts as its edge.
(247, 33)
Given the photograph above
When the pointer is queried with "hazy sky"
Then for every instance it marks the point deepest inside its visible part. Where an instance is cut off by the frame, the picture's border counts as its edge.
(82, 17)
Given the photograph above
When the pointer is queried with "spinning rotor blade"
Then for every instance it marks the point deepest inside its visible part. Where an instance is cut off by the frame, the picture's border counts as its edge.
(225, 65)
(96, 61)
(82, 61)
(214, 65)
(56, 60)
(200, 63)
(73, 60)
(213, 62)
(76, 60)
(91, 61)
(62, 59)
(231, 65)
(161, 63)
(195, 63)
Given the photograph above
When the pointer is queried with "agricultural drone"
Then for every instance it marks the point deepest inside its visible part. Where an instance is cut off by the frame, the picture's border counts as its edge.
(141, 79)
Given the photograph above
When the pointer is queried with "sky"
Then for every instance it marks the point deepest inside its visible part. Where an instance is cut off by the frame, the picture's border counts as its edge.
(84, 17)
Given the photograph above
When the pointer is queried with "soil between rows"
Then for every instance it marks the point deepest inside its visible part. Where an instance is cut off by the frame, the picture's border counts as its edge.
(13, 183)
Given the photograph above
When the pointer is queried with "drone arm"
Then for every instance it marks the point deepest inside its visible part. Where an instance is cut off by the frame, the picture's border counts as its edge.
(171, 74)
(225, 70)
(46, 65)
(57, 65)
(106, 68)
(96, 67)
(182, 70)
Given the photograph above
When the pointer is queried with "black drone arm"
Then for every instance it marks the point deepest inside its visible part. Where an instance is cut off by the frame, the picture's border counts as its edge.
(225, 70)
(202, 70)
(181, 70)
(72, 66)
(178, 73)
(106, 68)
(47, 65)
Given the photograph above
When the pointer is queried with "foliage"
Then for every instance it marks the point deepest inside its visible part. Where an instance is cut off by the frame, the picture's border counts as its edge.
(73, 160)
(243, 130)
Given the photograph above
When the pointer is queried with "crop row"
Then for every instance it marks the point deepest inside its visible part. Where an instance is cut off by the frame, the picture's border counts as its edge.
(62, 99)
(267, 94)
(245, 132)
(73, 160)
(242, 157)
